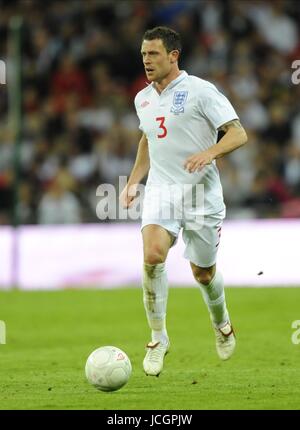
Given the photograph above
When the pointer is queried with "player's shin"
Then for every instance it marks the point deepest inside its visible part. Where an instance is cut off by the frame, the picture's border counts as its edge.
(214, 297)
(155, 296)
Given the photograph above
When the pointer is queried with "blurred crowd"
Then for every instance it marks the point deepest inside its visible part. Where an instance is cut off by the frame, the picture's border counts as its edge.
(82, 69)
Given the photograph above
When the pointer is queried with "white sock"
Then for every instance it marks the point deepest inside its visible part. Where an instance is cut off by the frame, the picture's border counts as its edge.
(155, 296)
(214, 297)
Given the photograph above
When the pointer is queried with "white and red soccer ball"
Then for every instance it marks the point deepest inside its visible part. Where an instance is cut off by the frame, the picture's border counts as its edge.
(108, 368)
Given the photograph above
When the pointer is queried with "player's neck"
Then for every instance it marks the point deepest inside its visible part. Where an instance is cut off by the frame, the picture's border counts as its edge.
(160, 86)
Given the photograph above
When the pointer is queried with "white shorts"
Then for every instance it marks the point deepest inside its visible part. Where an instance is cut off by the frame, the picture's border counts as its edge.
(200, 233)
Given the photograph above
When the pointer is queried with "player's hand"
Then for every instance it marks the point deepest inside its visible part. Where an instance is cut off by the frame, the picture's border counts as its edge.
(128, 195)
(197, 161)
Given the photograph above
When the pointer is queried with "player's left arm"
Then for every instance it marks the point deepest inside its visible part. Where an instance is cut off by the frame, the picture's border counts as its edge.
(234, 137)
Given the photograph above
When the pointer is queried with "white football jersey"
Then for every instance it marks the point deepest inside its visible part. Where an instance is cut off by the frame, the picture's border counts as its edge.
(178, 123)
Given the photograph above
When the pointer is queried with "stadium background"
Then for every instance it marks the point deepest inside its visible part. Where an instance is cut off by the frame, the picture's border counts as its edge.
(81, 68)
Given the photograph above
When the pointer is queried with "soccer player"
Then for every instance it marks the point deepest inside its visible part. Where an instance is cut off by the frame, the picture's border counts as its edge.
(180, 116)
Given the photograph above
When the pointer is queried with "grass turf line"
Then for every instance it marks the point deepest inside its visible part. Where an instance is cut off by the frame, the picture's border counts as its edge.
(51, 334)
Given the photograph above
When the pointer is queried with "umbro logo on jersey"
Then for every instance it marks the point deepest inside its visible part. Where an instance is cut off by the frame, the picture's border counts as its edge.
(179, 100)
(145, 103)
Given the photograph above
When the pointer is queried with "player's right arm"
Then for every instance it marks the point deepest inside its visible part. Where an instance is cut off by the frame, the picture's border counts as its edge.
(139, 171)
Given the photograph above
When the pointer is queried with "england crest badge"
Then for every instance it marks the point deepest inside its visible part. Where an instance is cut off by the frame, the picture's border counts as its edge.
(179, 100)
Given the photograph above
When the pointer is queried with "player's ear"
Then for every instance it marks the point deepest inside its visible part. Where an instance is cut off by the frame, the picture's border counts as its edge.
(174, 56)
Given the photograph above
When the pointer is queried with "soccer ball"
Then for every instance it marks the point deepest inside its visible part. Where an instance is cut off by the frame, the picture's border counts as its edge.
(108, 368)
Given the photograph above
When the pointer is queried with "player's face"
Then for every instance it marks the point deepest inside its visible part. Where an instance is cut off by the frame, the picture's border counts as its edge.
(157, 61)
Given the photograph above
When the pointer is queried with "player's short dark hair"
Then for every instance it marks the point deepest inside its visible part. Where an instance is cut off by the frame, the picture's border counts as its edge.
(170, 38)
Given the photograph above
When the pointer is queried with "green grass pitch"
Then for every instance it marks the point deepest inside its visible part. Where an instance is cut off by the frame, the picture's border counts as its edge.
(51, 334)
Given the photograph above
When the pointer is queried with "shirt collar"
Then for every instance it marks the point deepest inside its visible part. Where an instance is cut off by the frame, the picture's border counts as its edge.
(183, 75)
(179, 78)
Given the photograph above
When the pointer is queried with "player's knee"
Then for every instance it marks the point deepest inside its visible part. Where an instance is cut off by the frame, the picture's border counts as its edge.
(154, 256)
(204, 276)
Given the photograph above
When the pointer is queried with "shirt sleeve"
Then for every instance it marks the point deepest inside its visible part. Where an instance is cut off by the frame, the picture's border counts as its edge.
(137, 112)
(216, 107)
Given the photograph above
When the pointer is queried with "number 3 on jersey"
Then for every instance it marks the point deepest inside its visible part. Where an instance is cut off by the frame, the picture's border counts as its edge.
(164, 132)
